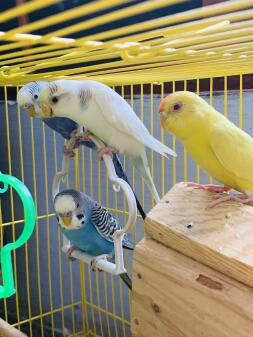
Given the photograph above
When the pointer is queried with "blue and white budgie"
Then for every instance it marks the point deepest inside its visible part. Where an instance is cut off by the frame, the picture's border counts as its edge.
(28, 98)
(88, 226)
(108, 116)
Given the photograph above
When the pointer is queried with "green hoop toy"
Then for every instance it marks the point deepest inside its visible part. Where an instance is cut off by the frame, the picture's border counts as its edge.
(8, 287)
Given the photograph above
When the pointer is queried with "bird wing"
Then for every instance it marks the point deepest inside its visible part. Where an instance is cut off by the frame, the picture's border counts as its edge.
(234, 149)
(120, 116)
(105, 223)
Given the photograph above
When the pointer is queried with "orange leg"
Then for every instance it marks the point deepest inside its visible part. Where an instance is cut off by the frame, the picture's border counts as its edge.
(242, 198)
(110, 150)
(210, 188)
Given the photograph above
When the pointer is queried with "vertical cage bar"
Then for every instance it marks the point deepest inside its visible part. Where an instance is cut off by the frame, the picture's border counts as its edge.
(48, 228)
(12, 203)
(124, 203)
(59, 238)
(152, 133)
(162, 140)
(82, 265)
(225, 96)
(26, 244)
(174, 163)
(241, 107)
(197, 166)
(96, 276)
(36, 227)
(185, 152)
(211, 103)
(89, 271)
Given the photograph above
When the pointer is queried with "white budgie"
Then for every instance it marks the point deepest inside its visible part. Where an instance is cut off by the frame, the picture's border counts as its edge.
(106, 115)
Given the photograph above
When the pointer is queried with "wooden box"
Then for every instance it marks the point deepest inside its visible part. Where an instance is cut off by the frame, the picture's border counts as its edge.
(193, 273)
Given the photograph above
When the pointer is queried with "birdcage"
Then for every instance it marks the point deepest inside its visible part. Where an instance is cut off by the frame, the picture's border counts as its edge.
(143, 50)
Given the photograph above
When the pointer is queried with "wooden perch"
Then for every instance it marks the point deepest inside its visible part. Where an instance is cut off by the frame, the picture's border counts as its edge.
(7, 330)
(221, 237)
(198, 279)
(175, 296)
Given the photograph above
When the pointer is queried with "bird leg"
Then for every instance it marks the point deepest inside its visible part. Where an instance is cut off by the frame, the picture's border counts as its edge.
(70, 251)
(68, 152)
(77, 137)
(80, 136)
(107, 150)
(210, 188)
(242, 198)
(94, 261)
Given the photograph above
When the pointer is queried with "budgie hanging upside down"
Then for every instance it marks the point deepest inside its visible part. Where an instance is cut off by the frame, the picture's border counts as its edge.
(28, 98)
(217, 145)
(88, 226)
(106, 115)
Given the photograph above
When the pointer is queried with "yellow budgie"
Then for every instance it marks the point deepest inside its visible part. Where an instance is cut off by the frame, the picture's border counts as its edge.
(218, 146)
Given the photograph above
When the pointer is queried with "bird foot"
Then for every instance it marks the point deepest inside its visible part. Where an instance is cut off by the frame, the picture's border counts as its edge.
(70, 251)
(67, 152)
(242, 198)
(210, 188)
(107, 150)
(95, 261)
(80, 136)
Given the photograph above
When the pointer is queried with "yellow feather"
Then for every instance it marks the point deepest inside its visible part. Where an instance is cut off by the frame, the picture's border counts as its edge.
(223, 150)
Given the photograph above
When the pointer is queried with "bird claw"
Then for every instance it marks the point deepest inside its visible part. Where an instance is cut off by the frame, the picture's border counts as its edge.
(241, 198)
(110, 150)
(70, 251)
(80, 136)
(95, 261)
(67, 152)
(210, 188)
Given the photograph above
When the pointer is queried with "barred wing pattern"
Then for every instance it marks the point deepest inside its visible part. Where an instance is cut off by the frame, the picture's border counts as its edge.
(104, 222)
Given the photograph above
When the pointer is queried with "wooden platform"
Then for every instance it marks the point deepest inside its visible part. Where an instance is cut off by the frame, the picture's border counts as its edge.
(221, 237)
(174, 296)
(193, 273)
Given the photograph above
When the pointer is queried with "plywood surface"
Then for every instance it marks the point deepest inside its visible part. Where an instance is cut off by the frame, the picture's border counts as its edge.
(221, 237)
(175, 296)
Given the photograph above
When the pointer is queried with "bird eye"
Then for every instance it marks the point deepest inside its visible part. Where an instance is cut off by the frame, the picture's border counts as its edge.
(177, 106)
(77, 205)
(55, 99)
(35, 96)
(80, 216)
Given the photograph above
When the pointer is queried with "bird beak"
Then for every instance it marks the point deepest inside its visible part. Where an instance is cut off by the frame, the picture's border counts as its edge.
(30, 109)
(47, 110)
(44, 104)
(66, 220)
(161, 111)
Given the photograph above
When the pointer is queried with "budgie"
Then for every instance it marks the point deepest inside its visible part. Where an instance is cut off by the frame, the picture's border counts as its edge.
(88, 226)
(28, 98)
(218, 146)
(106, 115)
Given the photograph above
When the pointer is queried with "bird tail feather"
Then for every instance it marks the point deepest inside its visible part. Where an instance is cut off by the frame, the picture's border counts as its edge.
(141, 164)
(126, 279)
(159, 147)
(121, 174)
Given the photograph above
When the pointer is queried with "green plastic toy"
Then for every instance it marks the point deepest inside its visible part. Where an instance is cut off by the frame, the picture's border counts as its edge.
(8, 288)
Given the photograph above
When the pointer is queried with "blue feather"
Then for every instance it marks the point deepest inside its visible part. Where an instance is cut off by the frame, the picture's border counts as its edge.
(91, 227)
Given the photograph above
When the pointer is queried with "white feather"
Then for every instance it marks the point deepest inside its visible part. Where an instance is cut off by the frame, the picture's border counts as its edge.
(64, 204)
(108, 116)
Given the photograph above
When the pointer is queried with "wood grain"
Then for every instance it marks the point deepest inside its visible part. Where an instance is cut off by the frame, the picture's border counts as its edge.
(221, 237)
(175, 296)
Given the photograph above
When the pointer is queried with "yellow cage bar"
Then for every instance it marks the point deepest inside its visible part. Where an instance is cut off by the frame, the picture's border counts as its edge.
(208, 50)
